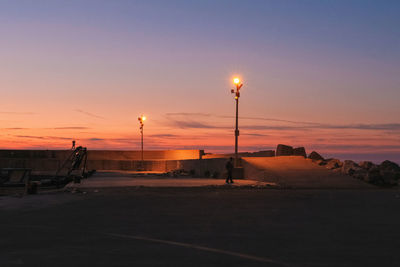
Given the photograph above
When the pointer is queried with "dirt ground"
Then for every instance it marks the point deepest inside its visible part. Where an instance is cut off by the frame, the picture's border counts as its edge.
(204, 226)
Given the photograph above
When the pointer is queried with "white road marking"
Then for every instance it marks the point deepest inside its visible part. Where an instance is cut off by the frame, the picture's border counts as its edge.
(215, 250)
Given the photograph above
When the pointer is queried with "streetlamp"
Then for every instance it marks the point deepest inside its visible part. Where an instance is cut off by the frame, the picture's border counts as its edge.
(239, 85)
(141, 120)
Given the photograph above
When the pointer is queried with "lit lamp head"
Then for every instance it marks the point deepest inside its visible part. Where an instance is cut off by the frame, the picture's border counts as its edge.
(237, 82)
(239, 85)
(141, 119)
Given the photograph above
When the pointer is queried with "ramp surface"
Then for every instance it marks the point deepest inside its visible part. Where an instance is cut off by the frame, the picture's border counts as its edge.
(297, 172)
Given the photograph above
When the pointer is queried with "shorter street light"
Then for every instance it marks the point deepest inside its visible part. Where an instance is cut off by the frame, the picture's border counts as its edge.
(141, 120)
(239, 85)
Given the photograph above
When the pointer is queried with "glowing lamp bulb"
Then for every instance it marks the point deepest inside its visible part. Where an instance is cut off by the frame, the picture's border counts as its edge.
(236, 81)
(143, 118)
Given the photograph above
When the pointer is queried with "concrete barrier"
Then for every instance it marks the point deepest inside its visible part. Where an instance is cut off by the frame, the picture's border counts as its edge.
(48, 160)
(105, 154)
(148, 155)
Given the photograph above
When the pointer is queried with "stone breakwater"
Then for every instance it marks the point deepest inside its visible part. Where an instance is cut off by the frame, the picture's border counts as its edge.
(386, 174)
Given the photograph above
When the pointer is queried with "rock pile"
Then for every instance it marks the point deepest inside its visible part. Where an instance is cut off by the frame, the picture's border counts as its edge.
(284, 150)
(386, 174)
(333, 164)
(315, 156)
(299, 151)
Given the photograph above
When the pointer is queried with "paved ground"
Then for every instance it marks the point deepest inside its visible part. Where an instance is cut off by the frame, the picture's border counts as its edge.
(157, 181)
(203, 226)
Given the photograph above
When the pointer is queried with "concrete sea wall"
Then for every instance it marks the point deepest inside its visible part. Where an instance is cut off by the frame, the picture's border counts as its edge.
(103, 154)
(162, 161)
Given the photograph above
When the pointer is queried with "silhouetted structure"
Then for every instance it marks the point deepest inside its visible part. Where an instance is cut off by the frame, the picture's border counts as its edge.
(315, 156)
(284, 150)
(299, 151)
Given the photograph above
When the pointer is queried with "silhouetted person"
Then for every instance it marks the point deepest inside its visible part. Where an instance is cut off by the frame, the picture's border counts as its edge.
(229, 169)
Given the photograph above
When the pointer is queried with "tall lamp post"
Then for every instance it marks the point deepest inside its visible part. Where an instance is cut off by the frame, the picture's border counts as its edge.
(141, 120)
(238, 85)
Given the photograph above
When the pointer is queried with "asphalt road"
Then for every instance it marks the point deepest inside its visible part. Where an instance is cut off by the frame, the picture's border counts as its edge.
(202, 227)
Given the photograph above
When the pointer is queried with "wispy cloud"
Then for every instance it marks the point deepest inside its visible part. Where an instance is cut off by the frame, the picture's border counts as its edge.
(16, 113)
(95, 139)
(30, 136)
(191, 124)
(255, 134)
(164, 135)
(192, 120)
(388, 126)
(71, 128)
(384, 126)
(188, 114)
(89, 114)
(269, 119)
(360, 147)
(199, 114)
(15, 128)
(43, 137)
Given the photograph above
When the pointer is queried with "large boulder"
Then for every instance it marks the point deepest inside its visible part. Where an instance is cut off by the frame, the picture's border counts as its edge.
(390, 172)
(353, 169)
(374, 176)
(366, 165)
(284, 150)
(333, 164)
(315, 156)
(320, 162)
(360, 173)
(349, 167)
(388, 165)
(300, 151)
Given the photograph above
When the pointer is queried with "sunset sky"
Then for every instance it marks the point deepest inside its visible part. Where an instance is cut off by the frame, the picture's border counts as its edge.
(320, 74)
